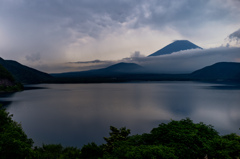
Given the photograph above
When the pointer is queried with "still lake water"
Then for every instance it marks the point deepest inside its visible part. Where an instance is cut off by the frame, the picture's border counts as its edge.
(77, 114)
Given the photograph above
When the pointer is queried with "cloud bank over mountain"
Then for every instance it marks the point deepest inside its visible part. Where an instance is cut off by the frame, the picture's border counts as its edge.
(179, 62)
(189, 60)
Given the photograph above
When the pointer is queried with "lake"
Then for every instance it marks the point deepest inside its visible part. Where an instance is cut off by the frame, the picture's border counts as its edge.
(77, 114)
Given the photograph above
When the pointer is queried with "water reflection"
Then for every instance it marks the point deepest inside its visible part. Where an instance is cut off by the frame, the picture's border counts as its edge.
(4, 99)
(76, 114)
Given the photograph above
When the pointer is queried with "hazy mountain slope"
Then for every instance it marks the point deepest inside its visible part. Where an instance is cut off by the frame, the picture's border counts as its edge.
(23, 73)
(4, 74)
(124, 72)
(116, 69)
(218, 71)
(176, 46)
(6, 79)
(8, 83)
(124, 68)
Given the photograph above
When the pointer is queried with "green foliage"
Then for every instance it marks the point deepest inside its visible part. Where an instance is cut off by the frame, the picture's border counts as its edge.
(193, 139)
(176, 140)
(13, 88)
(227, 146)
(56, 151)
(13, 141)
(120, 145)
(232, 137)
(71, 153)
(127, 150)
(115, 136)
(12, 85)
(91, 151)
(4, 74)
(50, 151)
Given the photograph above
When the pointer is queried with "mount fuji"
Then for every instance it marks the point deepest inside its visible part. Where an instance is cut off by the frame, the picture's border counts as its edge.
(178, 45)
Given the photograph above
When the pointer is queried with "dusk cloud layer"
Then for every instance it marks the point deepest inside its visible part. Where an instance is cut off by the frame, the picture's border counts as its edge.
(189, 60)
(41, 33)
(235, 37)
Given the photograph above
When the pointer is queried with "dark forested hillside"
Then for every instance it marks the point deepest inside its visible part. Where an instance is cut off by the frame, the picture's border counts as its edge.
(7, 82)
(175, 140)
(4, 74)
(23, 73)
(125, 72)
(113, 70)
(218, 71)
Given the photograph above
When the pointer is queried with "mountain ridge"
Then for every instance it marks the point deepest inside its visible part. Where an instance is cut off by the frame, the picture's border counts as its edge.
(7, 81)
(24, 74)
(208, 73)
(218, 71)
(116, 69)
(178, 45)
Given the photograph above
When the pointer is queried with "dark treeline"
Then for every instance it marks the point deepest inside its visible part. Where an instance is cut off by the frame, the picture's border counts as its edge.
(130, 72)
(121, 77)
(7, 81)
(176, 140)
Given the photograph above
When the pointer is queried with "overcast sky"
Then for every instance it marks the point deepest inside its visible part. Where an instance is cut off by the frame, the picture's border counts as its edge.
(45, 33)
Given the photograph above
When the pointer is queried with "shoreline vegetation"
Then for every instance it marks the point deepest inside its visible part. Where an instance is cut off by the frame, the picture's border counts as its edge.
(7, 82)
(130, 72)
(16, 87)
(117, 73)
(175, 140)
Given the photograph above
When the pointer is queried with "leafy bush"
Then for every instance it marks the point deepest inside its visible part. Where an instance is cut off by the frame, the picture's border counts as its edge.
(14, 143)
(12, 84)
(91, 151)
(5, 74)
(176, 140)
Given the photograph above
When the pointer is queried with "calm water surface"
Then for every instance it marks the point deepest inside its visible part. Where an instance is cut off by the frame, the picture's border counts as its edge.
(77, 114)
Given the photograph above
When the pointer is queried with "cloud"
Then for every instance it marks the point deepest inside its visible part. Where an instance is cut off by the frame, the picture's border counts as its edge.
(85, 65)
(233, 39)
(136, 54)
(33, 57)
(235, 36)
(88, 62)
(189, 60)
(179, 62)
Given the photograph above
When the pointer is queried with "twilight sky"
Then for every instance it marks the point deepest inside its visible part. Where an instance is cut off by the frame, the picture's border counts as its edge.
(48, 34)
